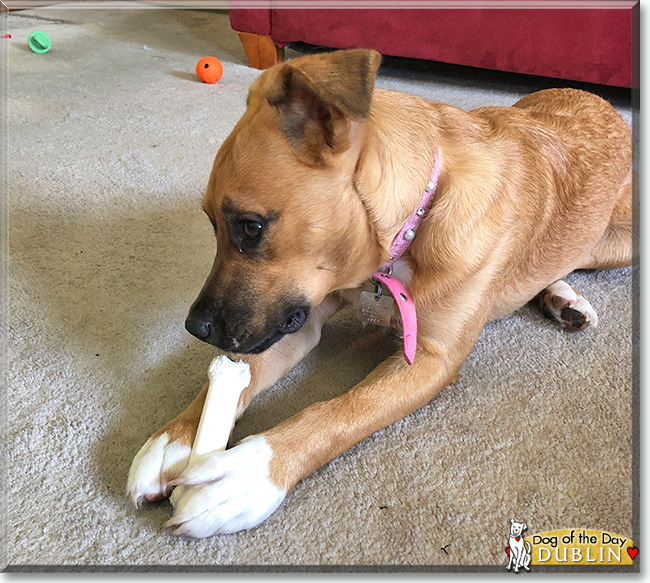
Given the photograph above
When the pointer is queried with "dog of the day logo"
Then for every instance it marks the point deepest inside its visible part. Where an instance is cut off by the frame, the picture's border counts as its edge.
(518, 548)
(567, 547)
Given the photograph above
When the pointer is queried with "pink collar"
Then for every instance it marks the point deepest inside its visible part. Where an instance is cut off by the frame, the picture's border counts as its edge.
(400, 244)
(403, 239)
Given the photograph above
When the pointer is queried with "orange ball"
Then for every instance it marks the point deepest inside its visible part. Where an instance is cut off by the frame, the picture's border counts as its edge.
(209, 69)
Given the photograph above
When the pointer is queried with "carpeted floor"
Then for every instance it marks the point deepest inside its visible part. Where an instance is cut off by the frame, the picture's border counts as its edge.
(110, 142)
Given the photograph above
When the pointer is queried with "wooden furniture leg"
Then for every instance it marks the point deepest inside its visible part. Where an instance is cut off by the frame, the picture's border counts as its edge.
(261, 50)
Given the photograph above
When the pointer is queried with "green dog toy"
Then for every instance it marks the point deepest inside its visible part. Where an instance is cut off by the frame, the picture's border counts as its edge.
(39, 42)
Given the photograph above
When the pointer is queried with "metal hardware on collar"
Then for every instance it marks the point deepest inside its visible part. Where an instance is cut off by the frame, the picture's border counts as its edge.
(382, 273)
(375, 311)
(377, 291)
(409, 235)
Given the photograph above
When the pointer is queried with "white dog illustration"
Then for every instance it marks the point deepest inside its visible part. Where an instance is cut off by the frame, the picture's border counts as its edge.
(519, 556)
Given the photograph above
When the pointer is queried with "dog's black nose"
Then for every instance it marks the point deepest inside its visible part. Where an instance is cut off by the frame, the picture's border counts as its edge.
(198, 326)
(293, 322)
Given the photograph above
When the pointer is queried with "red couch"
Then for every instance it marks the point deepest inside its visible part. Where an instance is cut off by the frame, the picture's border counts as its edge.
(581, 44)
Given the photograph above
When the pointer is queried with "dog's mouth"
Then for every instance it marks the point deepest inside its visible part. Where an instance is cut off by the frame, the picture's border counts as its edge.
(235, 347)
(293, 322)
(263, 345)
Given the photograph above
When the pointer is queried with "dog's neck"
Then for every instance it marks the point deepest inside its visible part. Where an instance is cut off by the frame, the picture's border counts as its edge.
(396, 158)
(395, 161)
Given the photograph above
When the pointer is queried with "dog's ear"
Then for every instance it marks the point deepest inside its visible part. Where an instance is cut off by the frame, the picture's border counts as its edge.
(524, 526)
(317, 97)
(512, 521)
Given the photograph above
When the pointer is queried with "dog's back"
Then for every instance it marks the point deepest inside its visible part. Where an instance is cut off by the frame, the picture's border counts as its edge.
(564, 161)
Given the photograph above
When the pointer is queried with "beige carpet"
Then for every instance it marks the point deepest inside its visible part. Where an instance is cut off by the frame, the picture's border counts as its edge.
(110, 143)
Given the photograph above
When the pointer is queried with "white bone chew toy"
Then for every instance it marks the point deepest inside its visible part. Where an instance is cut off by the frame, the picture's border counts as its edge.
(227, 381)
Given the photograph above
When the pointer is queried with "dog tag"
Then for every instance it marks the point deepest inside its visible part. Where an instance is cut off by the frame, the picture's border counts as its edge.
(375, 310)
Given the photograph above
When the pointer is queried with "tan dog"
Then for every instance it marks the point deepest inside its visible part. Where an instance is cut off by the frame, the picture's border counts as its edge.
(306, 196)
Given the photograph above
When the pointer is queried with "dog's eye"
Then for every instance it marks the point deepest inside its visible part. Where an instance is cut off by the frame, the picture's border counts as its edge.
(253, 229)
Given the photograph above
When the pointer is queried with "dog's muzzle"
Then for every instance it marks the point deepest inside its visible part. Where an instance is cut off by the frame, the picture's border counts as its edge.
(231, 333)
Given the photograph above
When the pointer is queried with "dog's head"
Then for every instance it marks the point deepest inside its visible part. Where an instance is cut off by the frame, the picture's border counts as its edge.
(516, 528)
(289, 224)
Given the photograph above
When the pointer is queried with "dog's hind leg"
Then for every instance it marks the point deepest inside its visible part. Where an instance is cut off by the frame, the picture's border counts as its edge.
(614, 250)
(560, 302)
(616, 247)
(165, 455)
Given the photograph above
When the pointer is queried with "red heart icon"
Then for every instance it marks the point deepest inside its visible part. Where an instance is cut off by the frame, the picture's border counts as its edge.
(508, 551)
(517, 538)
(632, 551)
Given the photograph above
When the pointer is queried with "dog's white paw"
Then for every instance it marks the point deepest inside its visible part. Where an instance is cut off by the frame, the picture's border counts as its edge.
(226, 491)
(157, 463)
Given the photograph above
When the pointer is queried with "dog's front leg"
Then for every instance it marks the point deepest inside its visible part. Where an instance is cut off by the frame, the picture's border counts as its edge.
(166, 453)
(326, 429)
(237, 489)
(517, 560)
(273, 364)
